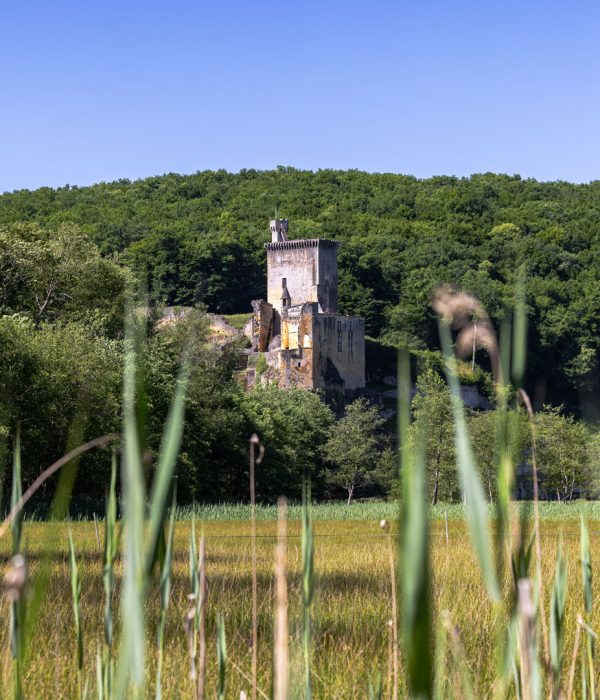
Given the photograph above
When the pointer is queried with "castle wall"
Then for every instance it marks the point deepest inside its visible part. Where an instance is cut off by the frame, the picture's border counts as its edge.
(310, 270)
(339, 357)
(322, 351)
(305, 342)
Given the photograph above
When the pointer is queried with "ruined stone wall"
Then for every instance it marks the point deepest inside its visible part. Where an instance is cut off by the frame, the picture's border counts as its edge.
(310, 270)
(339, 352)
(296, 362)
(327, 292)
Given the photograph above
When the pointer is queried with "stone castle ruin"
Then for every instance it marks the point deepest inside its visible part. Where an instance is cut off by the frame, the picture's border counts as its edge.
(298, 337)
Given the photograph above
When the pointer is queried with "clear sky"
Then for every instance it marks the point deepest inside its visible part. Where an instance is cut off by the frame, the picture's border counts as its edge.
(94, 91)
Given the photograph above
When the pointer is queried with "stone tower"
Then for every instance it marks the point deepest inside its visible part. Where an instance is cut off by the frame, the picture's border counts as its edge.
(301, 271)
(305, 341)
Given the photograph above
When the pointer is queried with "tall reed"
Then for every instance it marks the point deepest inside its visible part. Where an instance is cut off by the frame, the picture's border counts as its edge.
(221, 657)
(588, 674)
(280, 637)
(253, 460)
(76, 596)
(165, 593)
(307, 587)
(16, 574)
(414, 551)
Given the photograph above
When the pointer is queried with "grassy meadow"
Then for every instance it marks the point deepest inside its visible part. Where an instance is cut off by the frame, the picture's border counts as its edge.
(352, 601)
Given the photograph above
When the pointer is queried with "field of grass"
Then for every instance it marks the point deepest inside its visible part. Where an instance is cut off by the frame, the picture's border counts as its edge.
(352, 605)
(368, 510)
(375, 510)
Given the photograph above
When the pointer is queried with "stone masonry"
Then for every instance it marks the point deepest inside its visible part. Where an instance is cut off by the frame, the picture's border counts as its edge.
(298, 330)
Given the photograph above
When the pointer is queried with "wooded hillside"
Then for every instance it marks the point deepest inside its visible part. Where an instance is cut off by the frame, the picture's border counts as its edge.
(200, 238)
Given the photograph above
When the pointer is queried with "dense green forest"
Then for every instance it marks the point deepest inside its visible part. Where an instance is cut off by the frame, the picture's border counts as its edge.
(200, 238)
(68, 257)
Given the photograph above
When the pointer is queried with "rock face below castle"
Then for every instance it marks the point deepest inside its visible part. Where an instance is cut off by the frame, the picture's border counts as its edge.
(298, 331)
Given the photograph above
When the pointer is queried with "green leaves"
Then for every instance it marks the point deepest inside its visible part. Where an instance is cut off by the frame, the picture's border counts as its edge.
(354, 447)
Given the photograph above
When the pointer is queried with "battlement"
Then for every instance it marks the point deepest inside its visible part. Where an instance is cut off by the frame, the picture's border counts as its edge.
(303, 243)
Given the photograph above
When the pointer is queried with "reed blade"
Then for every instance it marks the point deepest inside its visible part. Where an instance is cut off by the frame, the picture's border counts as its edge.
(414, 554)
(470, 482)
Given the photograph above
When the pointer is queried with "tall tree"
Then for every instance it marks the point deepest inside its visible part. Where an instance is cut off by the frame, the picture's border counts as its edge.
(433, 428)
(354, 448)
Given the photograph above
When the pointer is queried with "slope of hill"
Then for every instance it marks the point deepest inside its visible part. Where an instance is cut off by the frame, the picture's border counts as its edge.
(200, 238)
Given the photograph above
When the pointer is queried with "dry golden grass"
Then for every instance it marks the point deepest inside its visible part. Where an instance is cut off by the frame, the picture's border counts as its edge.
(351, 609)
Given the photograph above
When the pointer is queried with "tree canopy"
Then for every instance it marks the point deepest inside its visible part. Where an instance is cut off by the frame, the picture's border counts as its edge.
(200, 238)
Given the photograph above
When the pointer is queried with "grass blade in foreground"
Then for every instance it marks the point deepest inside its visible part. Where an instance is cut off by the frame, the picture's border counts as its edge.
(307, 586)
(557, 619)
(531, 680)
(165, 592)
(221, 656)
(110, 552)
(17, 604)
(414, 557)
(475, 505)
(280, 642)
(165, 468)
(76, 594)
(587, 679)
(132, 657)
(16, 493)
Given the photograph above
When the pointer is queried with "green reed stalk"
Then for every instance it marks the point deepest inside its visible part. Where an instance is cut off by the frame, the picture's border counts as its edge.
(165, 593)
(557, 622)
(470, 481)
(132, 658)
(141, 542)
(414, 551)
(17, 605)
(101, 690)
(376, 688)
(221, 657)
(202, 620)
(527, 616)
(110, 552)
(307, 587)
(587, 679)
(16, 493)
(76, 597)
(193, 616)
(280, 637)
(111, 544)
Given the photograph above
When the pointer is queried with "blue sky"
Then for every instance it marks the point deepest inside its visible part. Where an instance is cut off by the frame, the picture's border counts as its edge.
(94, 91)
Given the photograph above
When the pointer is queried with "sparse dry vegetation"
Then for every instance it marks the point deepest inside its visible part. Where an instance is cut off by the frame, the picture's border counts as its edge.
(352, 606)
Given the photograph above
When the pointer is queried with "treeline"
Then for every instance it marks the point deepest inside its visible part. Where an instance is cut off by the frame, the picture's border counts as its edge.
(199, 238)
(68, 257)
(61, 367)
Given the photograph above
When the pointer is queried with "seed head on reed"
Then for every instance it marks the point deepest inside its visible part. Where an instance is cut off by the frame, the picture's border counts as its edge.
(464, 313)
(15, 578)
